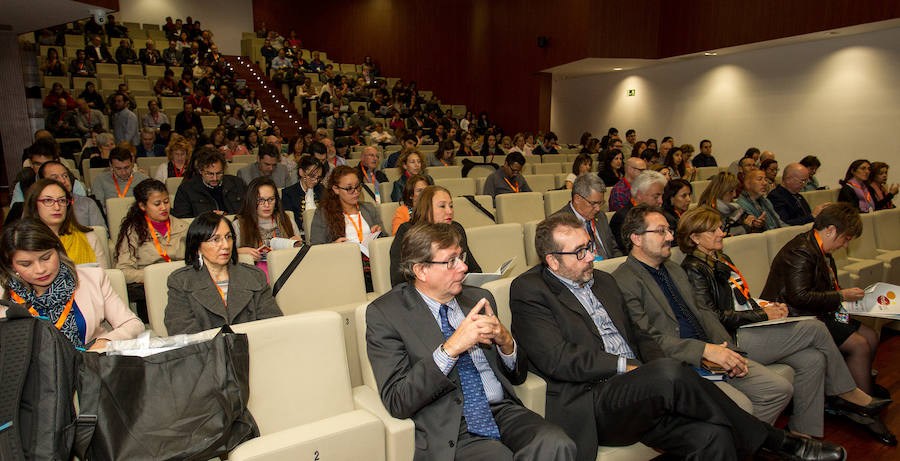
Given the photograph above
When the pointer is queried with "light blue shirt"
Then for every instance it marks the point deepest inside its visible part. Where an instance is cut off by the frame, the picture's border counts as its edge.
(492, 387)
(613, 341)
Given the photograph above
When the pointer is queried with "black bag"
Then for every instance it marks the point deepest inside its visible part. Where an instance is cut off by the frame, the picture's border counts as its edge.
(188, 403)
(37, 384)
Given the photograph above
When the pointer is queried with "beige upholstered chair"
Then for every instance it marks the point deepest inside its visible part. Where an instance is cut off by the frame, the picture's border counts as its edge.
(116, 209)
(380, 261)
(494, 245)
(519, 208)
(156, 292)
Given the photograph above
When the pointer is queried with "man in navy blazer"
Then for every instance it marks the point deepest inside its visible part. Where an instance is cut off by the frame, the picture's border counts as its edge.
(425, 336)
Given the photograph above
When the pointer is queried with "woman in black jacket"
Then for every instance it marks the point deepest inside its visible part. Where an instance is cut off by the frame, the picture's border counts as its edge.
(434, 206)
(804, 345)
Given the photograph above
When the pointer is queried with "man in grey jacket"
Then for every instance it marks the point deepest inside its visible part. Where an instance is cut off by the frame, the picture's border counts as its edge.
(587, 205)
(267, 165)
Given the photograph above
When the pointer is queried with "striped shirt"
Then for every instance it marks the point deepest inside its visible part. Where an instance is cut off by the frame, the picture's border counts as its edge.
(613, 341)
(492, 387)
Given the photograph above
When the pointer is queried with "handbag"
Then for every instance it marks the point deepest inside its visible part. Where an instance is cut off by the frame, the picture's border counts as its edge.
(188, 403)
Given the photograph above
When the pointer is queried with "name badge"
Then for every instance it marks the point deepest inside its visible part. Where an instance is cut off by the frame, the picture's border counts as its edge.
(842, 317)
(598, 258)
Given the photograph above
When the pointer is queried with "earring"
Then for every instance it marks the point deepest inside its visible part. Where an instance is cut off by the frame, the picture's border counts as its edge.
(200, 257)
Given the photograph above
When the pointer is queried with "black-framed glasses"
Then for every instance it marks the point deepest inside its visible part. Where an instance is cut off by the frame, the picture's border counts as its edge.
(267, 200)
(350, 188)
(450, 263)
(579, 253)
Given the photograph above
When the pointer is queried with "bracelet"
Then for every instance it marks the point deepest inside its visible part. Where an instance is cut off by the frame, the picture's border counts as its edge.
(445, 351)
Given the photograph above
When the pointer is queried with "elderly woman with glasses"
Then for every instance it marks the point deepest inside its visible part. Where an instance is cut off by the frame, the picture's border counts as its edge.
(804, 345)
(214, 289)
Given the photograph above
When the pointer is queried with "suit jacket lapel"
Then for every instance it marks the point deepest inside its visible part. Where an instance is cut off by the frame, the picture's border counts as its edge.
(570, 301)
(650, 282)
(421, 320)
(239, 295)
(207, 295)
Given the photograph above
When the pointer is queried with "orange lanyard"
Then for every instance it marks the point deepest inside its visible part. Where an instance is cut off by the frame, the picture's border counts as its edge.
(442, 161)
(831, 272)
(118, 190)
(221, 293)
(372, 180)
(357, 226)
(515, 188)
(745, 290)
(34, 312)
(159, 249)
(866, 190)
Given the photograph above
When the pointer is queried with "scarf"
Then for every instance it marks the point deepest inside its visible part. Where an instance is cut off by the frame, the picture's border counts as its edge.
(78, 248)
(52, 302)
(723, 273)
(866, 203)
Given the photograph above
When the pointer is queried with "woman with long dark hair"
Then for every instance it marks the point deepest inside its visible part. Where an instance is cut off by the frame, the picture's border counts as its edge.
(445, 155)
(214, 289)
(262, 218)
(854, 188)
(36, 272)
(882, 194)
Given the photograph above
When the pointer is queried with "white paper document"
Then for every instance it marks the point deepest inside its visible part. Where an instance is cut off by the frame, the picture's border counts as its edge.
(778, 321)
(280, 243)
(880, 300)
(364, 245)
(479, 279)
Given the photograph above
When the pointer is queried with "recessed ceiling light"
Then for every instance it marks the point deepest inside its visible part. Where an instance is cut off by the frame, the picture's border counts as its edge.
(710, 53)
(617, 68)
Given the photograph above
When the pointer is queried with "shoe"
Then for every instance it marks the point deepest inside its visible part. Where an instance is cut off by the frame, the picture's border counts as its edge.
(874, 426)
(880, 391)
(799, 448)
(872, 409)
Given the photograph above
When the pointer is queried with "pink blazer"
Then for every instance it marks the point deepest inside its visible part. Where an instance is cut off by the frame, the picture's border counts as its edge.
(97, 301)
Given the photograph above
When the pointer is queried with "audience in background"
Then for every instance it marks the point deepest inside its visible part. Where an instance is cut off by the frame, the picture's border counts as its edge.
(85, 209)
(410, 164)
(214, 289)
(792, 207)
(620, 194)
(121, 179)
(179, 154)
(676, 200)
(587, 205)
(508, 178)
(647, 189)
(720, 195)
(753, 200)
(812, 164)
(583, 164)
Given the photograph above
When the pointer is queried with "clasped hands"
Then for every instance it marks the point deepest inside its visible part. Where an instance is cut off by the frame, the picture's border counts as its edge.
(480, 326)
(735, 364)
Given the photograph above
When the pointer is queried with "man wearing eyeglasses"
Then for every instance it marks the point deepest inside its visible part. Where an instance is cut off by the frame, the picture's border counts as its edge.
(441, 357)
(508, 178)
(267, 164)
(661, 302)
(587, 205)
(792, 207)
(608, 381)
(620, 195)
(209, 189)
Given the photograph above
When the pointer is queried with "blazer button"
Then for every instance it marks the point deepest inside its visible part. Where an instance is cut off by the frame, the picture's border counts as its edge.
(451, 444)
(457, 400)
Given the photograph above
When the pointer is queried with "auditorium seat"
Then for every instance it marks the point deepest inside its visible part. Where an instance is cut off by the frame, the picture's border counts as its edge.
(778, 238)
(385, 189)
(468, 215)
(887, 229)
(697, 189)
(172, 186)
(392, 174)
(301, 396)
(677, 256)
(519, 208)
(330, 277)
(245, 159)
(541, 182)
(746, 251)
(116, 209)
(531, 256)
(445, 172)
(706, 172)
(609, 265)
(103, 236)
(554, 200)
(380, 262)
(308, 215)
(546, 168)
(865, 247)
(150, 164)
(457, 186)
(117, 281)
(560, 179)
(480, 171)
(863, 272)
(131, 69)
(817, 197)
(494, 245)
(386, 210)
(156, 292)
(399, 434)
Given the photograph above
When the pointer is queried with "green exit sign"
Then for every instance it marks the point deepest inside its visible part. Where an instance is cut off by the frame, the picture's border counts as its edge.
(632, 92)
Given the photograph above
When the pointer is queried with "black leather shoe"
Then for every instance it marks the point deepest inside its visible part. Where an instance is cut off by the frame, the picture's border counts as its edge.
(880, 391)
(873, 426)
(870, 410)
(799, 448)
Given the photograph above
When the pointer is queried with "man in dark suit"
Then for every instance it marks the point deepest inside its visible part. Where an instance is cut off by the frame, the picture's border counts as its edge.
(305, 193)
(97, 52)
(608, 381)
(792, 207)
(442, 358)
(209, 189)
(188, 119)
(586, 205)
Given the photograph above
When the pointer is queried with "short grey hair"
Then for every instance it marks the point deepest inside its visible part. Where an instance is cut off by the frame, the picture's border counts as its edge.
(645, 180)
(587, 184)
(104, 138)
(148, 130)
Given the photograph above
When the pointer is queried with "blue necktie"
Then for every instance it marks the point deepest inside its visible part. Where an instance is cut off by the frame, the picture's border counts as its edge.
(476, 409)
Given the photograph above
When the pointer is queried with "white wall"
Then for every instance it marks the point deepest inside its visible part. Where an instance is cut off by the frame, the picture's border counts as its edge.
(227, 19)
(837, 98)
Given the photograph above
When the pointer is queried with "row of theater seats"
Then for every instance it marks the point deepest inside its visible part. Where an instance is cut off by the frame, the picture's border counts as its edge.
(326, 396)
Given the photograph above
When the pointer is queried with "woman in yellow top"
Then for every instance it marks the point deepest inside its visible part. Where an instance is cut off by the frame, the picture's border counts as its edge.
(50, 202)
(148, 236)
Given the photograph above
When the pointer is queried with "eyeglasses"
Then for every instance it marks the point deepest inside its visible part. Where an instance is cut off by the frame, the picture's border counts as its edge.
(596, 204)
(267, 201)
(580, 253)
(215, 239)
(452, 262)
(212, 174)
(661, 231)
(639, 170)
(49, 202)
(350, 189)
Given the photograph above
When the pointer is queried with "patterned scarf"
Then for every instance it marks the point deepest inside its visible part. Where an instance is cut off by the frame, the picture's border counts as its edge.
(53, 301)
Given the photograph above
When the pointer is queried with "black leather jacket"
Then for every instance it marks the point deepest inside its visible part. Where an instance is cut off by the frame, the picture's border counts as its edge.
(712, 290)
(800, 278)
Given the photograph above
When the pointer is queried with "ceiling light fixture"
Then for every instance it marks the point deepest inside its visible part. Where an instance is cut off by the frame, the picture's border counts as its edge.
(710, 53)
(617, 68)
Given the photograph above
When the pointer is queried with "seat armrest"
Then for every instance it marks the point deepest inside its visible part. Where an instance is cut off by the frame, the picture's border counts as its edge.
(533, 393)
(399, 434)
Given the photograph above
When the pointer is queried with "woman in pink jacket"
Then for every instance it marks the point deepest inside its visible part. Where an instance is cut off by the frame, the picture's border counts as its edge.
(36, 272)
